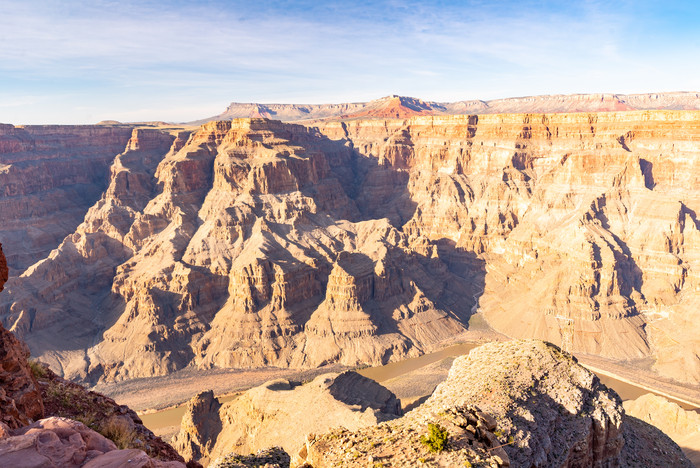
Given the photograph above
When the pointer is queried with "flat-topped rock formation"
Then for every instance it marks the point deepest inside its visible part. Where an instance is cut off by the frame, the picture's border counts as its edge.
(254, 243)
(404, 107)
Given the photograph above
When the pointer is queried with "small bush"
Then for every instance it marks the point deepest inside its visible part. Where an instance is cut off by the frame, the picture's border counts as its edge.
(436, 440)
(37, 368)
(119, 432)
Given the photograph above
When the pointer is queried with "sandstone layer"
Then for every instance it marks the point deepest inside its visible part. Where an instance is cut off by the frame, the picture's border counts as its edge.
(256, 243)
(281, 413)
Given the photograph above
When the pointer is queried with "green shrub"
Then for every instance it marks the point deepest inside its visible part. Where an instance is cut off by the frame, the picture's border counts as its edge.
(436, 440)
(37, 369)
(119, 432)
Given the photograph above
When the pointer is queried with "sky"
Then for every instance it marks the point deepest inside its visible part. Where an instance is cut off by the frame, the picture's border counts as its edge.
(70, 62)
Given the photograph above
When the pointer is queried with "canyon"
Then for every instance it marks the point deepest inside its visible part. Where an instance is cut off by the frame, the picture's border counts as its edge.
(362, 240)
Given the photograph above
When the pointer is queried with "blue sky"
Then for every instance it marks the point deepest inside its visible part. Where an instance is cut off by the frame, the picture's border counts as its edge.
(82, 62)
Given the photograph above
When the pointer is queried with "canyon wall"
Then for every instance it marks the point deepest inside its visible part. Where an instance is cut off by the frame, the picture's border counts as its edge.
(252, 243)
(49, 176)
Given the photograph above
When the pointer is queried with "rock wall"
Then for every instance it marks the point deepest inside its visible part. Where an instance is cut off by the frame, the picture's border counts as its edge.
(252, 243)
(50, 176)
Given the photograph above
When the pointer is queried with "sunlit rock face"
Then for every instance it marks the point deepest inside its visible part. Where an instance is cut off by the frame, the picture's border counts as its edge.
(253, 242)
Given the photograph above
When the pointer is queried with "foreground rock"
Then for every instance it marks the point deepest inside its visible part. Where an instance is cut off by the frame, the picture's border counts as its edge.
(20, 397)
(64, 443)
(520, 403)
(100, 413)
(274, 457)
(470, 438)
(556, 411)
(281, 413)
(32, 391)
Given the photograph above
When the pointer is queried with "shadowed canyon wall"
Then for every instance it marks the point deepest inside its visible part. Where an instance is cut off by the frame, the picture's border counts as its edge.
(253, 242)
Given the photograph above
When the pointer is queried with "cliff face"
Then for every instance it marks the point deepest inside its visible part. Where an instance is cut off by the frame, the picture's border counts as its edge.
(586, 222)
(252, 243)
(50, 176)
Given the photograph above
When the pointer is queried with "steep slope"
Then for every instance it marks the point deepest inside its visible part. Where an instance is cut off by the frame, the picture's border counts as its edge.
(681, 425)
(50, 176)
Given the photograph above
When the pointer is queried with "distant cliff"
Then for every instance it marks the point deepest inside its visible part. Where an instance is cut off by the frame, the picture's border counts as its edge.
(405, 107)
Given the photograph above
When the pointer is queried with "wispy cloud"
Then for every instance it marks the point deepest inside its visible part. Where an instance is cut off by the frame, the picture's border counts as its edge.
(131, 58)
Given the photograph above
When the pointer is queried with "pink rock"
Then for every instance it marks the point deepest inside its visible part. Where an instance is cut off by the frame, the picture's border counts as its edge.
(130, 458)
(52, 442)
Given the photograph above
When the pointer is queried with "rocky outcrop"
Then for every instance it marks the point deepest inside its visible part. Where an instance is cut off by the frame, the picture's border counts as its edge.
(469, 437)
(274, 457)
(256, 243)
(64, 443)
(200, 427)
(556, 412)
(518, 403)
(61, 442)
(20, 397)
(66, 399)
(281, 413)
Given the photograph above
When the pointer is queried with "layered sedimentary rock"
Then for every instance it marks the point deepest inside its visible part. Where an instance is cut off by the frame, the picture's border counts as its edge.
(50, 176)
(253, 242)
(281, 413)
